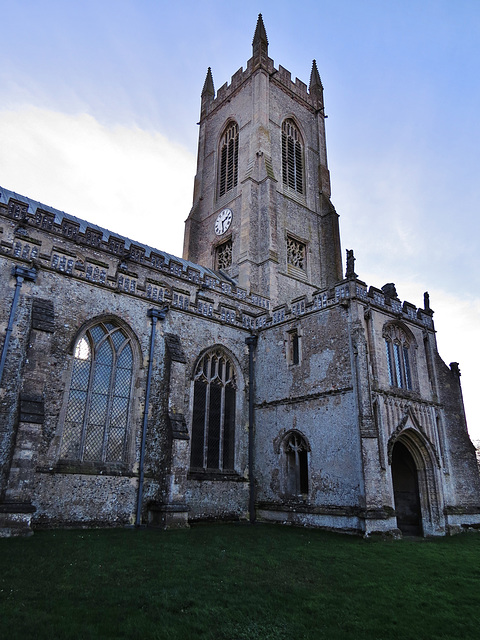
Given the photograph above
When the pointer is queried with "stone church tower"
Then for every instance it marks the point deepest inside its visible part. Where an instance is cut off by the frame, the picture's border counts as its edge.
(261, 206)
(249, 379)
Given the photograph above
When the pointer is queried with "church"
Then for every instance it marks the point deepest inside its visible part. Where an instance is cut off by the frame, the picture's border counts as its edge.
(255, 378)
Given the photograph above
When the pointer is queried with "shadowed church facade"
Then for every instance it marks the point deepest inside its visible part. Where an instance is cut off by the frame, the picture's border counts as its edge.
(250, 379)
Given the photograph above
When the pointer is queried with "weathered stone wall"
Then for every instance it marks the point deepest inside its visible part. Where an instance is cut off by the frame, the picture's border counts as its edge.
(463, 477)
(84, 284)
(11, 380)
(314, 397)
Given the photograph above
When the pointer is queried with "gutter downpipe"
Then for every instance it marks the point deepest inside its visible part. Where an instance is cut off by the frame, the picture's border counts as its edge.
(21, 273)
(154, 314)
(251, 342)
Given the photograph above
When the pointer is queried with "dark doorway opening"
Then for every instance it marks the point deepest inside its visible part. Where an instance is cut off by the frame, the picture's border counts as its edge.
(405, 489)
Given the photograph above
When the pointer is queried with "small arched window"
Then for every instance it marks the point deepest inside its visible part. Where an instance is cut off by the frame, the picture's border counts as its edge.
(228, 167)
(296, 462)
(213, 424)
(397, 346)
(292, 156)
(98, 405)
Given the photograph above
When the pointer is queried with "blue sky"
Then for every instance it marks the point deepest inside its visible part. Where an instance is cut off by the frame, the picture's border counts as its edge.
(100, 102)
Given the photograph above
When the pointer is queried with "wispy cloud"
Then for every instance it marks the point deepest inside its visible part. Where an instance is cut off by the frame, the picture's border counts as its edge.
(135, 182)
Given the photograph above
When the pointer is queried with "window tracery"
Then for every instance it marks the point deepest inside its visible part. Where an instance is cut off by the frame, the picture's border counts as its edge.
(224, 255)
(213, 423)
(98, 405)
(296, 458)
(397, 346)
(296, 253)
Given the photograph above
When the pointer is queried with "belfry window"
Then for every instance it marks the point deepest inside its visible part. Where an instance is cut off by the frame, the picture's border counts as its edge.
(398, 357)
(228, 168)
(296, 253)
(213, 424)
(292, 156)
(97, 413)
(296, 458)
(224, 255)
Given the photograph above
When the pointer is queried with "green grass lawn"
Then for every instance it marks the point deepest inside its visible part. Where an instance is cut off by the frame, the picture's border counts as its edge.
(237, 582)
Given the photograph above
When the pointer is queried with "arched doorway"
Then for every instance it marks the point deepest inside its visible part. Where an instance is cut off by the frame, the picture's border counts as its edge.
(405, 489)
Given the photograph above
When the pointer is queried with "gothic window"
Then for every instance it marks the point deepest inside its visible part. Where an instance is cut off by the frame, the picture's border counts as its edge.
(224, 255)
(228, 168)
(293, 347)
(397, 347)
(296, 253)
(97, 413)
(213, 424)
(292, 156)
(296, 461)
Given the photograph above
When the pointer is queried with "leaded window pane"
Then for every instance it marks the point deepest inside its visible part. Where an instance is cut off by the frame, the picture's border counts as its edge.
(71, 443)
(398, 366)
(229, 428)
(99, 400)
(125, 359)
(398, 356)
(81, 374)
(198, 424)
(97, 333)
(101, 379)
(82, 350)
(214, 426)
(104, 353)
(116, 442)
(213, 423)
(118, 339)
(76, 405)
(406, 363)
(92, 450)
(391, 378)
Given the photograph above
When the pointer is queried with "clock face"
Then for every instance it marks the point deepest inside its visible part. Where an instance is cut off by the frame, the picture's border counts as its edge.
(223, 221)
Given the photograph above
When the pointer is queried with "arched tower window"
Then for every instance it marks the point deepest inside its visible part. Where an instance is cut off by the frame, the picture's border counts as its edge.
(228, 168)
(397, 346)
(292, 156)
(213, 424)
(296, 461)
(97, 413)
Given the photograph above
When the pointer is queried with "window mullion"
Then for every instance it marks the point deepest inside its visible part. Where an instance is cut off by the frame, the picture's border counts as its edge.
(111, 387)
(205, 430)
(222, 426)
(88, 400)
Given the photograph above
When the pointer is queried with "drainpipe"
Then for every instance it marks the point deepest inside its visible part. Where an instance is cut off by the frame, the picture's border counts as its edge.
(251, 342)
(154, 314)
(21, 273)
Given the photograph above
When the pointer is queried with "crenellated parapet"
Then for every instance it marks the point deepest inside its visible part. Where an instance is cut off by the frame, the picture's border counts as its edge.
(280, 77)
(311, 96)
(56, 241)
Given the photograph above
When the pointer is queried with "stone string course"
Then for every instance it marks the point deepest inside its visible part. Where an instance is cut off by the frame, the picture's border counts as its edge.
(144, 272)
